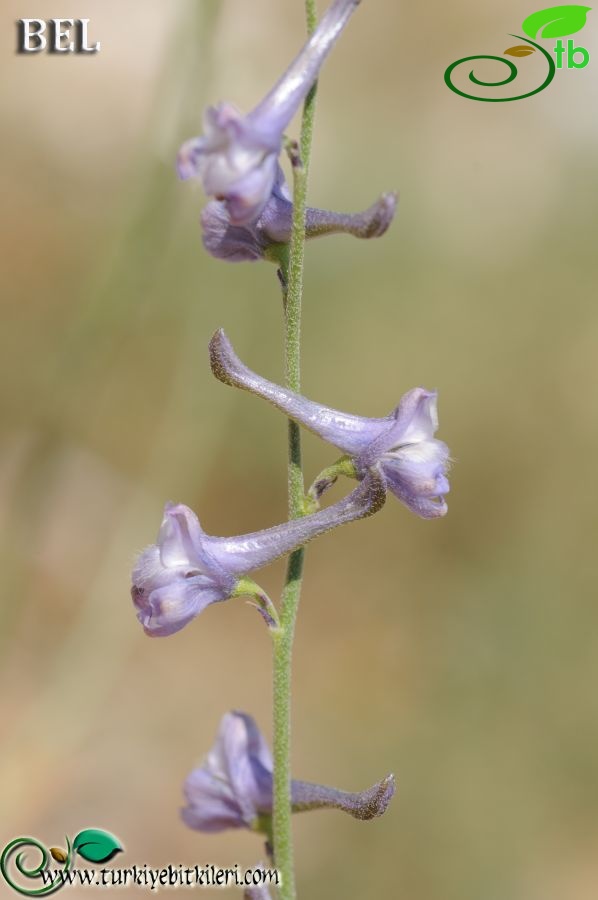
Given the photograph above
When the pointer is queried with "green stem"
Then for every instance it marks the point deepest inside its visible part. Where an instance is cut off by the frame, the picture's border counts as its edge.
(283, 636)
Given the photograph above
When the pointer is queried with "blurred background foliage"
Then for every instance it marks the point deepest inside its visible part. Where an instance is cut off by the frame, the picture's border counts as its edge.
(461, 654)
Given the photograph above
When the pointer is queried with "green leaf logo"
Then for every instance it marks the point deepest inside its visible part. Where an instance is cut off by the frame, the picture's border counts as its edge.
(556, 21)
(96, 846)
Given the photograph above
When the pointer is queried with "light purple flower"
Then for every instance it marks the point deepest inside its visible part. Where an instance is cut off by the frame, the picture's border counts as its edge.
(253, 241)
(413, 462)
(233, 786)
(236, 158)
(176, 578)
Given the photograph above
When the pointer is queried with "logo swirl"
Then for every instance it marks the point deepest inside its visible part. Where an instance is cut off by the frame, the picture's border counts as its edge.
(20, 846)
(510, 77)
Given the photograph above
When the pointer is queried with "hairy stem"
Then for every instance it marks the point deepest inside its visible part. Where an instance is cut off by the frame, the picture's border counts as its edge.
(283, 636)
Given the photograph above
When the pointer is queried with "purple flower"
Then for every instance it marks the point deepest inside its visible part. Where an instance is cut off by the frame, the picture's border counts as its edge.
(233, 786)
(236, 158)
(176, 578)
(414, 464)
(253, 241)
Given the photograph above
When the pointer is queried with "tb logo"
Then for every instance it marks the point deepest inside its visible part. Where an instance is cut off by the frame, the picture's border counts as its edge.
(54, 35)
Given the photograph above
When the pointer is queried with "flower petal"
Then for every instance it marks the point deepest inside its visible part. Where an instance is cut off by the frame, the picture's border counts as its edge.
(234, 784)
(164, 610)
(417, 416)
(211, 805)
(180, 537)
(248, 763)
(189, 157)
(246, 196)
(416, 474)
(415, 419)
(232, 243)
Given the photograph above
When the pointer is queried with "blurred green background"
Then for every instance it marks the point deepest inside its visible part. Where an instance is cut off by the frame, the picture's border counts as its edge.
(462, 654)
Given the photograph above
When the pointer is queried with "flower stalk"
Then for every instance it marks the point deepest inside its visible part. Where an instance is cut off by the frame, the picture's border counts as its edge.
(292, 281)
(252, 217)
